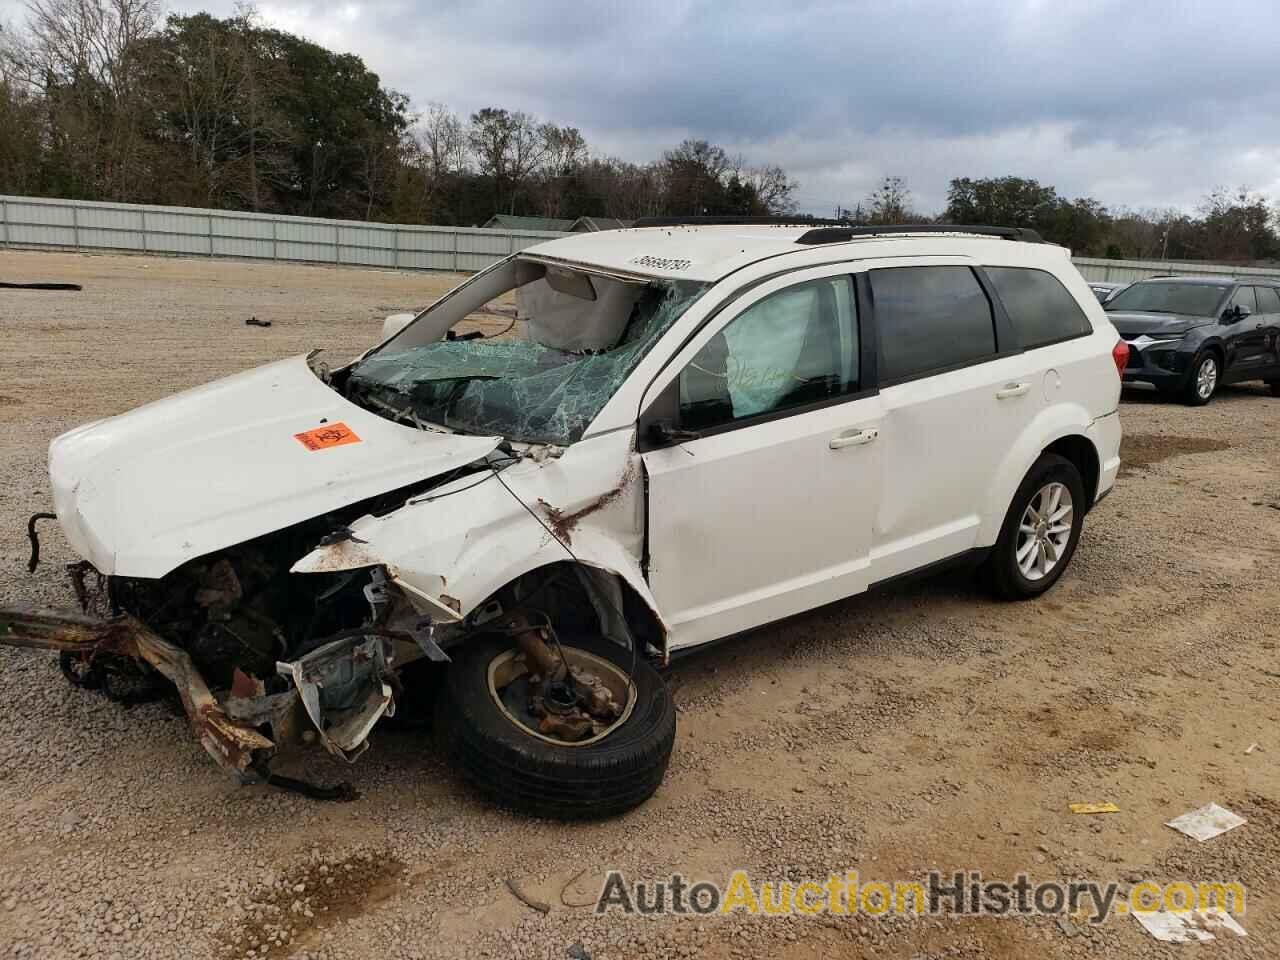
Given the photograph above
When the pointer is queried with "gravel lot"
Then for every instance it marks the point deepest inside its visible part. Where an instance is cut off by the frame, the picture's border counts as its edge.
(896, 733)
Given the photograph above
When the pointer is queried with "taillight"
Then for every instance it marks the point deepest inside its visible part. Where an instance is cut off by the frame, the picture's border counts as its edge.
(1120, 354)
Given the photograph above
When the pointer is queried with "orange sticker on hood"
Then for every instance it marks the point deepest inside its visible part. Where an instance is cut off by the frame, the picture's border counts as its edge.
(330, 435)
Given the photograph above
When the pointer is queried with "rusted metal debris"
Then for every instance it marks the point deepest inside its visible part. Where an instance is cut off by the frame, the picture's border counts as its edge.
(570, 703)
(233, 745)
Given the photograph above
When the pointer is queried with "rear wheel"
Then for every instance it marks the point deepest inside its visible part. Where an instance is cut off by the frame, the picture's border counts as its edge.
(1203, 381)
(546, 766)
(1040, 531)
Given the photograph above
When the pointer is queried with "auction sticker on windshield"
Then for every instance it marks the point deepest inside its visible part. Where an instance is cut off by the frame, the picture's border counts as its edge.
(330, 435)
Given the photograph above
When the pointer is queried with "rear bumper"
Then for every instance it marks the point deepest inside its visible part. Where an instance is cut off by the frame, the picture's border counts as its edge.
(1105, 434)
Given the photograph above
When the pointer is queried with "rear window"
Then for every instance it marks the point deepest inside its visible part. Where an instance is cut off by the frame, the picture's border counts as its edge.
(1041, 309)
(930, 318)
(1268, 300)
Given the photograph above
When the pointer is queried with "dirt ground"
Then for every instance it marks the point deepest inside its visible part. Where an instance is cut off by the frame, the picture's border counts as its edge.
(922, 728)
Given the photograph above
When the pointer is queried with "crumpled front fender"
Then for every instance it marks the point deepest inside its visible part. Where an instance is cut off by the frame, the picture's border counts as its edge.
(451, 549)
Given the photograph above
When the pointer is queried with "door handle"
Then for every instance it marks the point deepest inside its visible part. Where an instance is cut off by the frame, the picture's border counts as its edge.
(852, 438)
(1013, 390)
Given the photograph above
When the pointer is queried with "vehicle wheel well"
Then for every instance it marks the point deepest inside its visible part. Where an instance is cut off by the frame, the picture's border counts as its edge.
(1082, 453)
(577, 597)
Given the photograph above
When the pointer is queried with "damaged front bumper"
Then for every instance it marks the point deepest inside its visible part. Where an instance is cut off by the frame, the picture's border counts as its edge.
(233, 744)
(340, 690)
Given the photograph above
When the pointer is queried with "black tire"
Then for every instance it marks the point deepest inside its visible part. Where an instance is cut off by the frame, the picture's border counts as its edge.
(1275, 388)
(1000, 569)
(1190, 390)
(534, 776)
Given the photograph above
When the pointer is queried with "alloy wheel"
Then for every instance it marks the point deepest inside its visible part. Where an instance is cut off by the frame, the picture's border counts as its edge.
(1207, 378)
(1044, 531)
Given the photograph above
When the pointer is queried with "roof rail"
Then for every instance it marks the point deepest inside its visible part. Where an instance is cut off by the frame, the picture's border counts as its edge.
(841, 234)
(733, 221)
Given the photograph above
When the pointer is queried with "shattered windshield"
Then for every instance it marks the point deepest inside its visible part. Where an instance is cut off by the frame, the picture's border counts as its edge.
(574, 338)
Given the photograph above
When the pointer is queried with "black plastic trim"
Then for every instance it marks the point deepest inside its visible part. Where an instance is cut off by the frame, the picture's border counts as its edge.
(966, 558)
(731, 221)
(842, 234)
(972, 557)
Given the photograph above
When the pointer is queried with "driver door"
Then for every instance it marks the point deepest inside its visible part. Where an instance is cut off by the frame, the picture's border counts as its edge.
(762, 460)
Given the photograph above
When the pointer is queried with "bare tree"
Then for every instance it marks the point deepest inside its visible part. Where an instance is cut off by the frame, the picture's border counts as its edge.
(509, 147)
(443, 140)
(773, 188)
(528, 149)
(565, 153)
(890, 202)
(89, 50)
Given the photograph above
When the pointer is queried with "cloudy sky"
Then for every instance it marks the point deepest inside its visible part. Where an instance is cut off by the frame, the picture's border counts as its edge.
(1136, 103)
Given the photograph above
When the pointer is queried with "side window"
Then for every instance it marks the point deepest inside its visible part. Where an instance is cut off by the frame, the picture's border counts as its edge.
(930, 318)
(1268, 299)
(1244, 298)
(796, 346)
(1039, 306)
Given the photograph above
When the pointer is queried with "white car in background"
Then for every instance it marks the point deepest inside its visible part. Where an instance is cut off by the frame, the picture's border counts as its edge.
(692, 430)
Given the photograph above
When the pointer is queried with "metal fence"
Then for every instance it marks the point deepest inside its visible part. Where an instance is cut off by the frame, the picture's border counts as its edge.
(40, 223)
(1126, 271)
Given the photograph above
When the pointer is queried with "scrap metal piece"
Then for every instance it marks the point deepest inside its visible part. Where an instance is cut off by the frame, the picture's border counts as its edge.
(344, 690)
(35, 539)
(424, 635)
(233, 745)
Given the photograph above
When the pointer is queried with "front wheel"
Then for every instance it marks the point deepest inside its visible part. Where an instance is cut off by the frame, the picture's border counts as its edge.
(499, 736)
(1040, 531)
(1203, 381)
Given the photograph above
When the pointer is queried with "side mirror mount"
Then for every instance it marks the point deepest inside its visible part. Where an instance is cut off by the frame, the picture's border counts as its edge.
(395, 323)
(663, 432)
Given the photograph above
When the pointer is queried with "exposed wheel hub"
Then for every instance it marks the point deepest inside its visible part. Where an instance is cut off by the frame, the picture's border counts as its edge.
(555, 692)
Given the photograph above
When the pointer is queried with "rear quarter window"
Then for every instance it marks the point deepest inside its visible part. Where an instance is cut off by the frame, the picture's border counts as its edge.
(1039, 306)
(930, 319)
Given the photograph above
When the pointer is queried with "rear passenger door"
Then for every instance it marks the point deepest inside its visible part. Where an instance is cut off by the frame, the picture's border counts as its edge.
(1269, 322)
(955, 392)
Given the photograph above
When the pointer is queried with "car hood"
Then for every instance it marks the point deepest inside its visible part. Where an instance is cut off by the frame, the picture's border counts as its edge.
(1132, 324)
(143, 492)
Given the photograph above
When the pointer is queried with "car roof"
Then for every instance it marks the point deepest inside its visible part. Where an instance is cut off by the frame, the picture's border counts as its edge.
(711, 252)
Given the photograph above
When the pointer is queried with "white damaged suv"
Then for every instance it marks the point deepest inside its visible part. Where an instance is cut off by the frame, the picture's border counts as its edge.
(686, 430)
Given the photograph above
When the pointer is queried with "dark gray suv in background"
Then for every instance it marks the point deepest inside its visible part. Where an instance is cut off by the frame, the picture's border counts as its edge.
(1189, 335)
